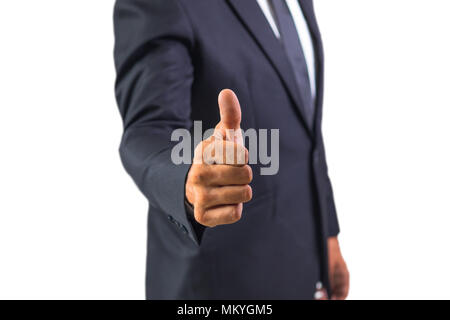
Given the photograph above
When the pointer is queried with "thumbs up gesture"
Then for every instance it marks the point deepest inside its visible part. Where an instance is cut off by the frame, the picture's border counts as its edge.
(218, 182)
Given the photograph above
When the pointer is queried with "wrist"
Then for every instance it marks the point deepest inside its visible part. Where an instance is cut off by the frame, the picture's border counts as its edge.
(333, 244)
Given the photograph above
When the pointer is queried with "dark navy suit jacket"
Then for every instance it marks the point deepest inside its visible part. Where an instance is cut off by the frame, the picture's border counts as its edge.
(172, 59)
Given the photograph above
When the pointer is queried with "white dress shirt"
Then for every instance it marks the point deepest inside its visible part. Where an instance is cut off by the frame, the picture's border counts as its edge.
(302, 30)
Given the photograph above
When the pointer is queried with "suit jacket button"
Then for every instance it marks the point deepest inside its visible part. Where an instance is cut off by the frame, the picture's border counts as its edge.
(316, 156)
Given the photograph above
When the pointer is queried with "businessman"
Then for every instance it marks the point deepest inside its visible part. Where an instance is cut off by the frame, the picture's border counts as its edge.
(218, 228)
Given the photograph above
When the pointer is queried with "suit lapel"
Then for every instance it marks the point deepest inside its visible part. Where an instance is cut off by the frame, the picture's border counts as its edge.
(308, 11)
(255, 21)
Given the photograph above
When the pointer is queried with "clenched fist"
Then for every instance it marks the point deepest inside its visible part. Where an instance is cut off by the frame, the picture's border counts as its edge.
(218, 182)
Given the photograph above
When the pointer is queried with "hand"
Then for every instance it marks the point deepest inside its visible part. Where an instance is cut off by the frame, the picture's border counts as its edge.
(337, 270)
(218, 182)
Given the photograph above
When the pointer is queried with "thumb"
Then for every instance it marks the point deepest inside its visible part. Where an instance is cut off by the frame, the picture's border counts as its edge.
(229, 126)
(230, 110)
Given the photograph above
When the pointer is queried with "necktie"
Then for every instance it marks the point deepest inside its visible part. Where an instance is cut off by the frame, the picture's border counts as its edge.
(294, 51)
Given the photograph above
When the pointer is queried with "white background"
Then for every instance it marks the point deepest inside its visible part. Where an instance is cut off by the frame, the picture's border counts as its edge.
(73, 225)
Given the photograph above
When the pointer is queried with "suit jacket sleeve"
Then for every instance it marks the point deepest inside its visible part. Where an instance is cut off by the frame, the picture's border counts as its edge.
(333, 223)
(153, 89)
